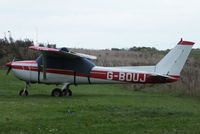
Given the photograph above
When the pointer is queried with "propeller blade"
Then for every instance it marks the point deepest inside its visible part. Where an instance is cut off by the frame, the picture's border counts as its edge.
(9, 65)
(8, 70)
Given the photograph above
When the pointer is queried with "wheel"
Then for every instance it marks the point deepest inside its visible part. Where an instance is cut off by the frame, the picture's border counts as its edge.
(67, 92)
(23, 92)
(56, 92)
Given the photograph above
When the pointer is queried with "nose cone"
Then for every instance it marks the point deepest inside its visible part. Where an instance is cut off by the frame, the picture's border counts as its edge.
(9, 64)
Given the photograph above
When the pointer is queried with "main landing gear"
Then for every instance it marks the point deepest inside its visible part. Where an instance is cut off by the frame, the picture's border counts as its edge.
(64, 91)
(24, 91)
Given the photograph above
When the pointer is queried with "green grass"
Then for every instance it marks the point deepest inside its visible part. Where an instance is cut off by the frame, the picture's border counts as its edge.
(94, 109)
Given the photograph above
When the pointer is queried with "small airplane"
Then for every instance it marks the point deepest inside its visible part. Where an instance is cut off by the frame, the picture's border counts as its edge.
(64, 67)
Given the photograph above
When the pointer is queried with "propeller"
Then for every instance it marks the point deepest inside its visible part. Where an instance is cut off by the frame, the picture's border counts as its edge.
(9, 65)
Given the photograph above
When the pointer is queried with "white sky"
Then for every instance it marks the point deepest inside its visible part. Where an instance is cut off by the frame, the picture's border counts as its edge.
(101, 24)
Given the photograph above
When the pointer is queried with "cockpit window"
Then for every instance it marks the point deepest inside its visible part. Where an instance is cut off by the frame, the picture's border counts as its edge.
(80, 65)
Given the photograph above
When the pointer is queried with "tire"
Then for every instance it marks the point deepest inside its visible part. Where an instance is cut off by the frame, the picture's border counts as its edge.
(56, 92)
(23, 93)
(67, 92)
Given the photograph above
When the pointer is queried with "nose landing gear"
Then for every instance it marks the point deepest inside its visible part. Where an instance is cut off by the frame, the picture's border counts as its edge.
(24, 91)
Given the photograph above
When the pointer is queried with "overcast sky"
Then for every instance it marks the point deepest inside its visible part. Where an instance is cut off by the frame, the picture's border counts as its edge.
(100, 24)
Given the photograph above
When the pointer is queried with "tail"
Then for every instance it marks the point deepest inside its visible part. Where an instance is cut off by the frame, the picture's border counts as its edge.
(173, 62)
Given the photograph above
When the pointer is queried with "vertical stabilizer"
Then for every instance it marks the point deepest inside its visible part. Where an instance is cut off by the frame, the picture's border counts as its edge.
(173, 62)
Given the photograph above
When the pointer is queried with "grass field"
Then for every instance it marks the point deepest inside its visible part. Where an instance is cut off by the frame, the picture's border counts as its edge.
(95, 109)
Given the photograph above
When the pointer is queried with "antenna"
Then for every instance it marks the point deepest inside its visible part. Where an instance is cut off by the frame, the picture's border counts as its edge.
(36, 35)
(4, 34)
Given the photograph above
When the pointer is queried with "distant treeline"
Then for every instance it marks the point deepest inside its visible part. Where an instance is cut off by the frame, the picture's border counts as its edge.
(18, 49)
(134, 48)
(15, 49)
(21, 43)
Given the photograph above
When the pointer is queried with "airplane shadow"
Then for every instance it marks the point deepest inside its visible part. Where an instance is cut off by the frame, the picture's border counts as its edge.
(100, 95)
(66, 97)
(78, 96)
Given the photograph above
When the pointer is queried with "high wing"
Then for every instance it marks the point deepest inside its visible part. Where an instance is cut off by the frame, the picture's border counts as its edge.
(65, 53)
(63, 59)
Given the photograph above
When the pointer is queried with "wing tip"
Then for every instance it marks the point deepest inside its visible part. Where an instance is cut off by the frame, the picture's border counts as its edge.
(43, 48)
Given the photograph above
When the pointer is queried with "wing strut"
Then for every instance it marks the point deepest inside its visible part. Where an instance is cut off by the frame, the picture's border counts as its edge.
(75, 78)
(44, 60)
(89, 79)
(39, 68)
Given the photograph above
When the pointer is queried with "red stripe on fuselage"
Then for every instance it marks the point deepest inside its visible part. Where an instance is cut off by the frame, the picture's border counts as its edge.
(106, 75)
(25, 62)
